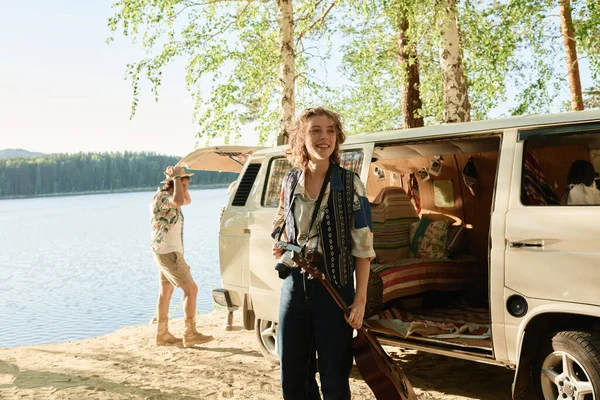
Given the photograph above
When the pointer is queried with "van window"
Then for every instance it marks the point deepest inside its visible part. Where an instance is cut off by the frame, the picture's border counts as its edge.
(350, 159)
(560, 166)
(277, 169)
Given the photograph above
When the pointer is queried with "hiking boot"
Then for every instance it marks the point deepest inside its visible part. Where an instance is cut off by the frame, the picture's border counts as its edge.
(163, 336)
(191, 336)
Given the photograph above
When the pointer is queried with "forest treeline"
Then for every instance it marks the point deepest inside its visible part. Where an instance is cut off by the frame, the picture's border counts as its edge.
(55, 174)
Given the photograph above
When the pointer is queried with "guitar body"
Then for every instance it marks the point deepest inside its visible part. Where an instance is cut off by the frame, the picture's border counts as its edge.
(385, 378)
(380, 372)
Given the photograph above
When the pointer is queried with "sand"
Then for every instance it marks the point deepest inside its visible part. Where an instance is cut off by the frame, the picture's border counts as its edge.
(127, 365)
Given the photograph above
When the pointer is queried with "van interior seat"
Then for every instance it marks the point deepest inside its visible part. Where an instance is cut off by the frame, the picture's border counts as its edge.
(397, 277)
(402, 275)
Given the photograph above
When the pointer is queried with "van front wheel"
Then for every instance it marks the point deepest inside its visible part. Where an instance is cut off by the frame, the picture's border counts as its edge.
(568, 367)
(266, 333)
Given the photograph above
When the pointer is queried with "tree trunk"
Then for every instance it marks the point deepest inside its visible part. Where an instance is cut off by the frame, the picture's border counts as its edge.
(454, 82)
(566, 23)
(287, 71)
(409, 67)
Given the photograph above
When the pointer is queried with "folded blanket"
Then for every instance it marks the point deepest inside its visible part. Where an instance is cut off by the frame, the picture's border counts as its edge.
(449, 322)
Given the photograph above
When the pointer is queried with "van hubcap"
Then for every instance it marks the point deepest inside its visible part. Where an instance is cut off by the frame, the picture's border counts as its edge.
(268, 335)
(563, 377)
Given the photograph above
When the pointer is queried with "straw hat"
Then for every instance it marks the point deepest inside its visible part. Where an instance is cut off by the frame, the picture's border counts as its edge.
(182, 175)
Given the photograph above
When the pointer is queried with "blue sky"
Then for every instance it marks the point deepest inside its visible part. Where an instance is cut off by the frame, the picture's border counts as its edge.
(62, 88)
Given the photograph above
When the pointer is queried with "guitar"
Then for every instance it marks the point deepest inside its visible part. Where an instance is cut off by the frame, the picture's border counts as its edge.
(385, 378)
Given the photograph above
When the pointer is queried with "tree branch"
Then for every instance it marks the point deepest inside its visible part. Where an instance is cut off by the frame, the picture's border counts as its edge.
(321, 19)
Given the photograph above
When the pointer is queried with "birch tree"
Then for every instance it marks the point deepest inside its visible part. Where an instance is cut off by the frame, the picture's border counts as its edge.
(409, 69)
(454, 81)
(488, 39)
(242, 63)
(568, 33)
(586, 26)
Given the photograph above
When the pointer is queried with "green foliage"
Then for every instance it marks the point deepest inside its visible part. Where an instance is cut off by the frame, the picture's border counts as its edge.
(232, 54)
(89, 172)
(511, 49)
(373, 100)
(592, 98)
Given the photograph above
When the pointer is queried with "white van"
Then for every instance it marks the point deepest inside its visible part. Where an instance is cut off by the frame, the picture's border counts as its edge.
(477, 258)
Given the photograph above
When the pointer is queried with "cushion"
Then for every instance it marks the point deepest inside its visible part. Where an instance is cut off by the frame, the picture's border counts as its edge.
(392, 213)
(431, 238)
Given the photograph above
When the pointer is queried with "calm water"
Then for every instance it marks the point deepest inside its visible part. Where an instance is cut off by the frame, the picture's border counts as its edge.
(76, 267)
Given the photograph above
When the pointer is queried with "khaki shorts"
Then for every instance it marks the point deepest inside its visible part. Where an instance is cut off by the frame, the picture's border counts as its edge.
(173, 268)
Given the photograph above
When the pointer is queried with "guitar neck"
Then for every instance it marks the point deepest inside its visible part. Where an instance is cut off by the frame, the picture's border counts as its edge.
(315, 273)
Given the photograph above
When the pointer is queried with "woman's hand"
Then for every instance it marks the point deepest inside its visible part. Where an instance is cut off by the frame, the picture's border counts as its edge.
(277, 251)
(357, 313)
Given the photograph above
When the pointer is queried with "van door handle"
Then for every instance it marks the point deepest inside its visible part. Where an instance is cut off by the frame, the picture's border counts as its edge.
(518, 245)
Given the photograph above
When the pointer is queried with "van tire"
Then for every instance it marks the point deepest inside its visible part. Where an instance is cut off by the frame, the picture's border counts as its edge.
(266, 334)
(580, 350)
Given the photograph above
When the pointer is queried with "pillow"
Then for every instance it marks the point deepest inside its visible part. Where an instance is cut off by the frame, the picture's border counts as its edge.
(431, 239)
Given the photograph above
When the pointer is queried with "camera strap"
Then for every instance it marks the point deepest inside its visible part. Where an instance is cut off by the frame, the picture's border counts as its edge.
(320, 198)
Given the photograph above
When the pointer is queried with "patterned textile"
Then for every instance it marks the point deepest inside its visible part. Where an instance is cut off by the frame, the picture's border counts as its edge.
(392, 213)
(453, 321)
(164, 217)
(536, 189)
(412, 276)
(433, 240)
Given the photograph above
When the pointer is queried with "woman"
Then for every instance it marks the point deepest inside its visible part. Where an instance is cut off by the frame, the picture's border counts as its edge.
(339, 234)
(581, 188)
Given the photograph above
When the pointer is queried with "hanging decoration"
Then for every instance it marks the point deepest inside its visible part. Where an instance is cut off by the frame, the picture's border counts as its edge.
(470, 176)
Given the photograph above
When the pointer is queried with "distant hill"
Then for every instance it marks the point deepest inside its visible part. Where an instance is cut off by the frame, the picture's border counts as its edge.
(11, 153)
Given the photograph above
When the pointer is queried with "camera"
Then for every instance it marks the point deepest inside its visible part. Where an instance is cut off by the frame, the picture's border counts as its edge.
(286, 262)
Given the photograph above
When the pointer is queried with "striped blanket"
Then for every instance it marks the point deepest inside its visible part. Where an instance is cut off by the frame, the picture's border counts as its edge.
(392, 214)
(412, 276)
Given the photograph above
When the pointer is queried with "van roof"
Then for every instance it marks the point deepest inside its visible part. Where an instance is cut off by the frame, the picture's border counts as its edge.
(475, 127)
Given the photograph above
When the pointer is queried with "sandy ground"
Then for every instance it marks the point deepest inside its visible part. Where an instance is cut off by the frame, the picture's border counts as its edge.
(126, 365)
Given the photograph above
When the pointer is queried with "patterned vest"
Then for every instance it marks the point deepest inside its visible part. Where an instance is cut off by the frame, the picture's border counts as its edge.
(335, 230)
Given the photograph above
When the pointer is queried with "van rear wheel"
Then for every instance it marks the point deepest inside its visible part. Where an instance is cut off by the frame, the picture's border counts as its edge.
(266, 333)
(568, 367)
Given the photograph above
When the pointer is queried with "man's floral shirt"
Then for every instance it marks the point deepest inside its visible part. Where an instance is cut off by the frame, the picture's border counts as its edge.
(164, 217)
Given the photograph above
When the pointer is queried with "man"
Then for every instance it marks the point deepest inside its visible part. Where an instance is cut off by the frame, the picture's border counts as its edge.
(167, 246)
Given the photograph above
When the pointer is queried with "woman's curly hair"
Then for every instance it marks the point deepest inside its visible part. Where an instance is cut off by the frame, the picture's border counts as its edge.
(296, 151)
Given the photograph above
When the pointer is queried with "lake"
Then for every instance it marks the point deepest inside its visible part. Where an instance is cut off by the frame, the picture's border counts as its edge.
(81, 266)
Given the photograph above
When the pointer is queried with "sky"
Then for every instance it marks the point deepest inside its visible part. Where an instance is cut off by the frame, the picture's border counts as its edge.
(63, 89)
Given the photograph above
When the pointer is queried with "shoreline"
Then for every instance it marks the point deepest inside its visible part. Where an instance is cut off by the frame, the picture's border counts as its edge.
(131, 190)
(126, 364)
